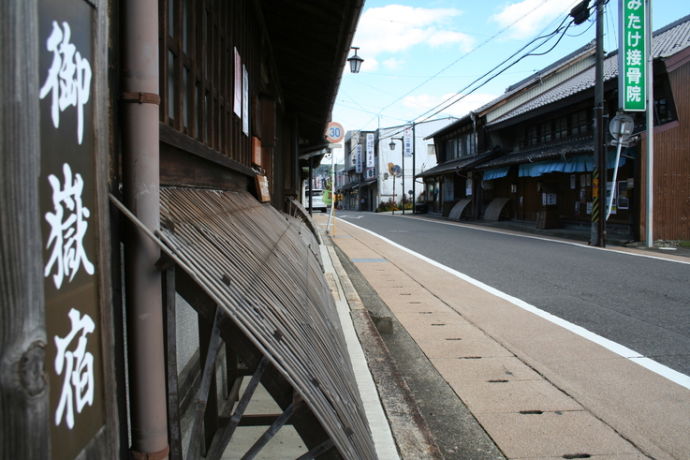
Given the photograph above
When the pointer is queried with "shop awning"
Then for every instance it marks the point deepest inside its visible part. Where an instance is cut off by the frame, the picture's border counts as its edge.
(459, 164)
(496, 173)
(575, 164)
(259, 268)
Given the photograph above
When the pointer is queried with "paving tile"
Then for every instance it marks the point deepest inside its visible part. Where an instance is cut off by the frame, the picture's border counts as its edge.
(434, 315)
(434, 346)
(554, 435)
(658, 419)
(461, 370)
(638, 456)
(513, 396)
(426, 315)
(416, 303)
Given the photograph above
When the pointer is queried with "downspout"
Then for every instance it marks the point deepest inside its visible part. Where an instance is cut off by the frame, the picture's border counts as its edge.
(141, 189)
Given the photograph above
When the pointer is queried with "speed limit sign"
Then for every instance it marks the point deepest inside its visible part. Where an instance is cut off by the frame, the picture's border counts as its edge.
(334, 132)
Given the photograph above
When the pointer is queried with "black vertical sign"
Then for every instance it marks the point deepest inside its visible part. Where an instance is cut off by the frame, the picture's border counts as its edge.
(69, 224)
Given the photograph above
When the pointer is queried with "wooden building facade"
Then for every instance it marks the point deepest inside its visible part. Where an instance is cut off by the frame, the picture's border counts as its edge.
(152, 257)
(543, 128)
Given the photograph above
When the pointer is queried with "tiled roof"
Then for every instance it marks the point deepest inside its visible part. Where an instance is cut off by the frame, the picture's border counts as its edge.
(672, 38)
(577, 84)
(668, 41)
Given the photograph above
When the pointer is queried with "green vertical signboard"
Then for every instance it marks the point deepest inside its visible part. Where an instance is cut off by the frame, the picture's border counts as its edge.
(632, 56)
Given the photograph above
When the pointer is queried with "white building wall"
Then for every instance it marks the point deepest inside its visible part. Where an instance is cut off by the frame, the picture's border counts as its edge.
(425, 158)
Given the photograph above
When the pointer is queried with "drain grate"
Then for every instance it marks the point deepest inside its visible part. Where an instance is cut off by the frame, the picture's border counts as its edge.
(531, 412)
(498, 381)
(438, 324)
(469, 357)
(453, 338)
(577, 456)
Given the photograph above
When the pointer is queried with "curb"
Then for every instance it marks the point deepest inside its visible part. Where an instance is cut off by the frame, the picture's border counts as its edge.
(412, 435)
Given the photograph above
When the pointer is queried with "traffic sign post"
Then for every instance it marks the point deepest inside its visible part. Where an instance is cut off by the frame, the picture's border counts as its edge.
(621, 128)
(334, 132)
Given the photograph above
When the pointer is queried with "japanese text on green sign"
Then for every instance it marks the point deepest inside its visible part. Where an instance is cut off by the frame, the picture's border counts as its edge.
(632, 60)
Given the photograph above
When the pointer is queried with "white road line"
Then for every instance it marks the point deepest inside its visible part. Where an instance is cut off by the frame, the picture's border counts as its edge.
(621, 350)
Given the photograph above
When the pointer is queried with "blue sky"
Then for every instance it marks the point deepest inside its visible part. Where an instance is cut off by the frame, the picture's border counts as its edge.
(419, 53)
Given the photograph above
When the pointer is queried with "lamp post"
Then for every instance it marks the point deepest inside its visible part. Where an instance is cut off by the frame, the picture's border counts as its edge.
(355, 61)
(391, 144)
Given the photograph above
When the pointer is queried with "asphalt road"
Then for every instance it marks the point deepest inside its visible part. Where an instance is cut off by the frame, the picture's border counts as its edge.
(638, 302)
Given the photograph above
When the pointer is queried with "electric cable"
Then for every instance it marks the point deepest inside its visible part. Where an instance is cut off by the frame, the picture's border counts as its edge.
(546, 38)
(501, 31)
(460, 95)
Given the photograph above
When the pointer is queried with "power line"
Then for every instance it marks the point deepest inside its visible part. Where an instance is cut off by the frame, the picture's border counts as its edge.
(460, 96)
(459, 59)
(501, 31)
(531, 53)
(494, 76)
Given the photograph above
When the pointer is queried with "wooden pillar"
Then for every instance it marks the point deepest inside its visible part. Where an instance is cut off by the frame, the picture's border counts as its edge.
(24, 413)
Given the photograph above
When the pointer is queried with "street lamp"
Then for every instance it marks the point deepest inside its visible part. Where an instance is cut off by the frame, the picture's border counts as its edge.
(391, 145)
(355, 61)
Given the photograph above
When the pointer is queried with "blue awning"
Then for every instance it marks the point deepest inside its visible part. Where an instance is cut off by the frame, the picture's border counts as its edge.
(579, 163)
(495, 173)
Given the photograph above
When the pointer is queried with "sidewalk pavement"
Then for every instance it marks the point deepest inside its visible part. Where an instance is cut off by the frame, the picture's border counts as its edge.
(538, 390)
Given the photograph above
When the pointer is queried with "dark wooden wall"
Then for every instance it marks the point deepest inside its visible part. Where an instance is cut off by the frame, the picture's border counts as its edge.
(671, 166)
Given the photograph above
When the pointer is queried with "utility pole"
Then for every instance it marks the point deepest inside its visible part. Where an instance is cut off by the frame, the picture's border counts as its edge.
(598, 234)
(649, 207)
(414, 170)
(403, 177)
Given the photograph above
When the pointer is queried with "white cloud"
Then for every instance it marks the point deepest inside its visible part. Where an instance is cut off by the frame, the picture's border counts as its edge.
(539, 14)
(370, 64)
(395, 28)
(423, 102)
(393, 63)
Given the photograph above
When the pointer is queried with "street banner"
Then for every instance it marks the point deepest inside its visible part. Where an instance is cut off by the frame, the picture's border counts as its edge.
(632, 56)
(370, 150)
(407, 142)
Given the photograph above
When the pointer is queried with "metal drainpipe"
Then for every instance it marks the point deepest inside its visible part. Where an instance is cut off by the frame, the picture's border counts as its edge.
(141, 187)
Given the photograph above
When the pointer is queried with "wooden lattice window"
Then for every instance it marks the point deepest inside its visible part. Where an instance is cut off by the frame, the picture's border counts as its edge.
(560, 130)
(197, 65)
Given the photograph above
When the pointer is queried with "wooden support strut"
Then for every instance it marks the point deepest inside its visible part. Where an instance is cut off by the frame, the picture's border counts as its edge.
(214, 345)
(172, 390)
(318, 450)
(226, 433)
(273, 429)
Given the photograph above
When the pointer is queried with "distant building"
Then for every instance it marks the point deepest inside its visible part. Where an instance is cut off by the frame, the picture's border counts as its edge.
(154, 252)
(528, 155)
(375, 174)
